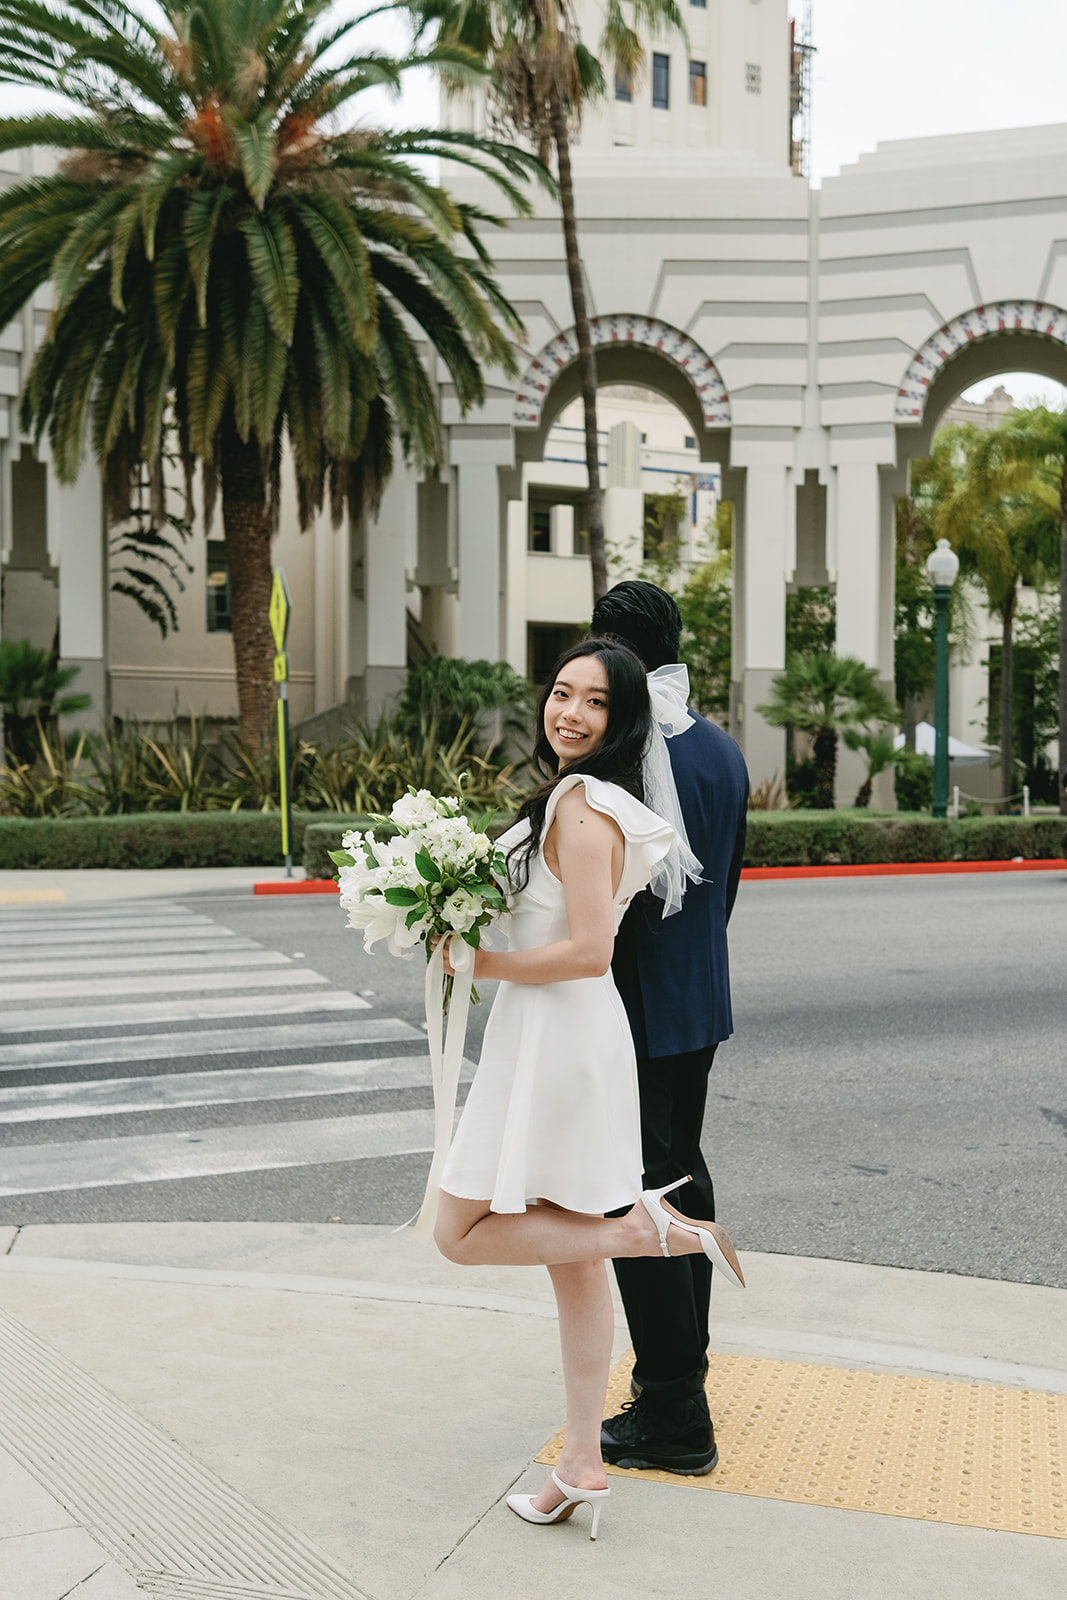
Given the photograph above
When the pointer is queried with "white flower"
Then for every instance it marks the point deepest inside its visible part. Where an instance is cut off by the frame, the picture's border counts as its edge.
(482, 847)
(415, 810)
(351, 840)
(461, 910)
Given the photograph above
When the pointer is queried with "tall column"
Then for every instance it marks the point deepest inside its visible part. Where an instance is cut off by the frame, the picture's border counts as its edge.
(388, 538)
(515, 621)
(477, 453)
(863, 596)
(762, 535)
(76, 538)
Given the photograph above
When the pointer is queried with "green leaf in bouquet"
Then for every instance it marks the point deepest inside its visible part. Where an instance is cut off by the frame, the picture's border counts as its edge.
(492, 896)
(341, 858)
(413, 916)
(472, 937)
(429, 870)
(403, 897)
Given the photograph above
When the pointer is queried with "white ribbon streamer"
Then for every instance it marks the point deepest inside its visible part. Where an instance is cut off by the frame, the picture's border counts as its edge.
(445, 1060)
(668, 689)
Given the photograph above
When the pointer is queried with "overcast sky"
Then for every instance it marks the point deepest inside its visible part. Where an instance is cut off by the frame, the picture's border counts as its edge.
(907, 69)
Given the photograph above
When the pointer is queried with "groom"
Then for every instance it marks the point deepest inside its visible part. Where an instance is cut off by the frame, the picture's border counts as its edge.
(674, 980)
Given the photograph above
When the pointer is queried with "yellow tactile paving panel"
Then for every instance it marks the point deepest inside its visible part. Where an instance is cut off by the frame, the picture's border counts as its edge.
(939, 1451)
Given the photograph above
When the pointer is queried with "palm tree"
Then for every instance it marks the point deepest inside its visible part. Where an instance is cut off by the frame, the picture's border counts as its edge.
(1037, 438)
(221, 252)
(824, 694)
(542, 76)
(1003, 518)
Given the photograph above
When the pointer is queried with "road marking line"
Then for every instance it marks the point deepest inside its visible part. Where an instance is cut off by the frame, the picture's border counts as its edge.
(135, 1011)
(199, 1042)
(164, 983)
(158, 1158)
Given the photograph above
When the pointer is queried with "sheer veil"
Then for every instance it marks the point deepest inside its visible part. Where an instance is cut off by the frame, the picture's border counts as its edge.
(668, 689)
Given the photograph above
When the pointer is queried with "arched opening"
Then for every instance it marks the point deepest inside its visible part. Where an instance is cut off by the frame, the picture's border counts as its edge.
(663, 441)
(976, 371)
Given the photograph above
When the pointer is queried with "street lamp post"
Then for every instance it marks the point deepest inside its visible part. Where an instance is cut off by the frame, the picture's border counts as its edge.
(942, 566)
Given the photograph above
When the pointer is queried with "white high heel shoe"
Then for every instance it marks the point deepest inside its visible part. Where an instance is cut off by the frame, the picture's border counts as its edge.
(522, 1504)
(716, 1242)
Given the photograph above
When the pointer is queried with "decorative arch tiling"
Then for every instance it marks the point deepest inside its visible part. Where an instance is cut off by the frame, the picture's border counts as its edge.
(984, 322)
(648, 332)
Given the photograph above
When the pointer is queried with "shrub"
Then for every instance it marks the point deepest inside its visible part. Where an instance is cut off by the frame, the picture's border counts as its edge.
(154, 839)
(849, 838)
(1002, 838)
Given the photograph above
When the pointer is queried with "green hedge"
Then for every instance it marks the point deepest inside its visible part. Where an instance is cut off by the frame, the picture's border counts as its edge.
(150, 839)
(253, 839)
(849, 838)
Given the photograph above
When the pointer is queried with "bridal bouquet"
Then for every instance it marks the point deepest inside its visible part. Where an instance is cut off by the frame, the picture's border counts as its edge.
(436, 881)
(436, 878)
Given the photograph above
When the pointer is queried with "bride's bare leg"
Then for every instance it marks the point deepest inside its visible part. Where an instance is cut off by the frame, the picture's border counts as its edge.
(468, 1233)
(586, 1328)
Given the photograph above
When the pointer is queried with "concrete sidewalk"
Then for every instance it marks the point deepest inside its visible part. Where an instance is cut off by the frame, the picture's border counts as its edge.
(200, 1411)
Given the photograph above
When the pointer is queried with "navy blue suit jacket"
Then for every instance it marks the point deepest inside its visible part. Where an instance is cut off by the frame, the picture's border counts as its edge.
(673, 973)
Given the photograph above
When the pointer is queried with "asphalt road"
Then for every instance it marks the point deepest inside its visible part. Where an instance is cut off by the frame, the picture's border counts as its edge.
(896, 1090)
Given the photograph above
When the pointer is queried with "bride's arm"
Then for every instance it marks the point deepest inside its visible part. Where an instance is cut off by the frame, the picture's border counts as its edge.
(590, 850)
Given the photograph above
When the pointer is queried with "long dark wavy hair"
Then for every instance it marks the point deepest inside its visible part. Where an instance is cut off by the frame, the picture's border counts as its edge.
(616, 759)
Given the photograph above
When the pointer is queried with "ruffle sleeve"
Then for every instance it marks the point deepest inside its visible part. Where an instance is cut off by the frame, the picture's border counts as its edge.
(648, 837)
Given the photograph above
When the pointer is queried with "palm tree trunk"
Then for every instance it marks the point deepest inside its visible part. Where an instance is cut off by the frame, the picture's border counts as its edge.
(825, 768)
(247, 528)
(586, 359)
(1007, 699)
(1063, 641)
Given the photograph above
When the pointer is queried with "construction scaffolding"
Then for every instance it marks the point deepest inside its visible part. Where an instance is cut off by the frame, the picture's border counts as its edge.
(801, 50)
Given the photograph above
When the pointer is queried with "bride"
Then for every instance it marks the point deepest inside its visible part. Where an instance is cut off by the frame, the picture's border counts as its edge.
(549, 1139)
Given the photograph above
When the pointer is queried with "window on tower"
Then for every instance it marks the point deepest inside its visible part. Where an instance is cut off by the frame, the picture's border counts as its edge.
(698, 83)
(753, 77)
(624, 85)
(701, 5)
(661, 81)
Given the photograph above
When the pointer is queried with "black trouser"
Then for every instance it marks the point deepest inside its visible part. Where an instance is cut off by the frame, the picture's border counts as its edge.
(667, 1301)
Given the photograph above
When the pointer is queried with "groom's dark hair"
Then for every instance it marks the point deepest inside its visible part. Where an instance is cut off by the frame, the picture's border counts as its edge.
(642, 616)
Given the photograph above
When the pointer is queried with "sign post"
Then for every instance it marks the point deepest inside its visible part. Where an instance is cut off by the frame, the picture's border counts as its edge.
(279, 626)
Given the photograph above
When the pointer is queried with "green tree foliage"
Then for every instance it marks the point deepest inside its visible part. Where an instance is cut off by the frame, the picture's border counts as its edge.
(824, 695)
(32, 698)
(1035, 697)
(451, 692)
(1038, 438)
(879, 747)
(542, 75)
(810, 622)
(221, 250)
(1002, 516)
(706, 604)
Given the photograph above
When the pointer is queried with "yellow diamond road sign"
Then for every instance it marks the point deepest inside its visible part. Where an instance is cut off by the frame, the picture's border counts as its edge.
(279, 609)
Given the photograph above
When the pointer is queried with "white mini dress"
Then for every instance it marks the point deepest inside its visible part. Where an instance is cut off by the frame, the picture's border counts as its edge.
(553, 1111)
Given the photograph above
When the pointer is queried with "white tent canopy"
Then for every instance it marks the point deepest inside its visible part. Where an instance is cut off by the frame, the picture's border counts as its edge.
(959, 754)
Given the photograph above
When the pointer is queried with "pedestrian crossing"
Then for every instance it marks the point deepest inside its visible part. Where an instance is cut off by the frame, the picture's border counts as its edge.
(175, 1048)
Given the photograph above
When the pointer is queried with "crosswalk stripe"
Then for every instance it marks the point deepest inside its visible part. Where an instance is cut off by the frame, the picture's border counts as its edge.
(157, 1158)
(54, 923)
(255, 957)
(114, 1096)
(121, 953)
(201, 1042)
(37, 931)
(164, 983)
(179, 937)
(125, 1014)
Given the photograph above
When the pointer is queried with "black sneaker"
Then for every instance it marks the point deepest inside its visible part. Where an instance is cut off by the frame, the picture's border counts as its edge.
(673, 1436)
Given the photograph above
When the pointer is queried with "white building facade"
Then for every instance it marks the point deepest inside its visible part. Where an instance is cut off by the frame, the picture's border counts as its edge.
(810, 339)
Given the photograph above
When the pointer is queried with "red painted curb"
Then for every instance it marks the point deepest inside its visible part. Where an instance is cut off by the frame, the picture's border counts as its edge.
(903, 869)
(303, 886)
